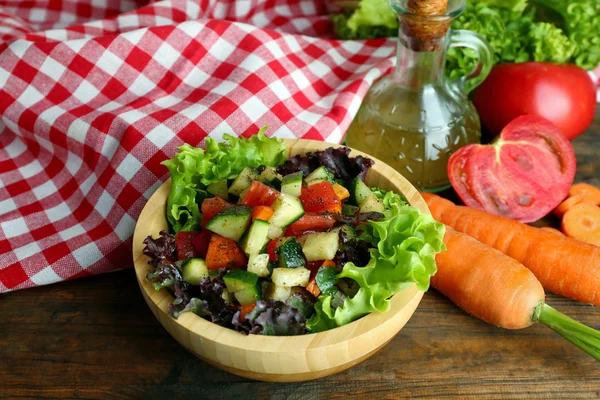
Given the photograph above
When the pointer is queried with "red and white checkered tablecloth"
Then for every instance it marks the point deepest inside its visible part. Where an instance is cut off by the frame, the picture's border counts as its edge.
(94, 94)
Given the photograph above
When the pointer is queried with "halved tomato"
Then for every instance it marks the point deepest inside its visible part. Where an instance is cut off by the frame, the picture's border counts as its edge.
(523, 175)
(320, 197)
(259, 194)
(310, 222)
(211, 207)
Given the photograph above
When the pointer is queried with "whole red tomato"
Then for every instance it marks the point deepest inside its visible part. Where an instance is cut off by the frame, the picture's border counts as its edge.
(563, 94)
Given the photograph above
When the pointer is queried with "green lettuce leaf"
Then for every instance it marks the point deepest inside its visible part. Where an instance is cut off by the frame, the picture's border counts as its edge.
(373, 13)
(406, 241)
(192, 169)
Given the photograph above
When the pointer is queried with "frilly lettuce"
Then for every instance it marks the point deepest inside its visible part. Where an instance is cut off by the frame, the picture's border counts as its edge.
(194, 168)
(406, 243)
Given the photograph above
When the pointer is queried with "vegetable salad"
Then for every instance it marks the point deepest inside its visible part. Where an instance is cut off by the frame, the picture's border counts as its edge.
(275, 246)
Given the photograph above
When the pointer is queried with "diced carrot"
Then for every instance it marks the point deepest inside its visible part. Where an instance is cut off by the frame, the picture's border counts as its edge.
(244, 310)
(340, 191)
(552, 230)
(262, 212)
(563, 207)
(328, 263)
(591, 194)
(313, 288)
(223, 252)
(583, 222)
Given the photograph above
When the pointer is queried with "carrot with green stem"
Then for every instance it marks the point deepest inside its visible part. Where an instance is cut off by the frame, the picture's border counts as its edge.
(564, 266)
(499, 290)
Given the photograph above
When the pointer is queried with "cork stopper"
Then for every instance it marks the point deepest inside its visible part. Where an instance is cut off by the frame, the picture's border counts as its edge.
(425, 22)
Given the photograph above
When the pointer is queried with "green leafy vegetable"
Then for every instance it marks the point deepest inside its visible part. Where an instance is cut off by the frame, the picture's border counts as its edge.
(327, 279)
(373, 13)
(406, 242)
(343, 31)
(192, 169)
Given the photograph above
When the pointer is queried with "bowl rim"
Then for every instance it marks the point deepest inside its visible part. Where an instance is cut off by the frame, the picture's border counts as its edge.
(275, 344)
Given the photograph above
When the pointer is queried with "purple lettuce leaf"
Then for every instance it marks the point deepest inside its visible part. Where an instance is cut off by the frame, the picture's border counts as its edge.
(336, 160)
(271, 318)
(352, 250)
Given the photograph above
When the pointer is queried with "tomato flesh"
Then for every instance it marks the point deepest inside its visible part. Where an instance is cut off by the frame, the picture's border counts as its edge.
(201, 241)
(320, 197)
(184, 242)
(523, 175)
(211, 207)
(310, 222)
(259, 194)
(563, 94)
(271, 249)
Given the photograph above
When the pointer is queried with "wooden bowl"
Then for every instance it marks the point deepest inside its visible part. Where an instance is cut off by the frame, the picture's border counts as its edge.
(279, 358)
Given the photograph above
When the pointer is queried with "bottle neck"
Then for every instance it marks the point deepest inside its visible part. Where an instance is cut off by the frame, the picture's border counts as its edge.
(419, 68)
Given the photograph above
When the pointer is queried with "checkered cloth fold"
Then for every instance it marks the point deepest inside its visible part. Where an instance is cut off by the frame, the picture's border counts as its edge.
(95, 94)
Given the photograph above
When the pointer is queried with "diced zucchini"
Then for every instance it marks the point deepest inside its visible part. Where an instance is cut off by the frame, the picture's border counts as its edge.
(243, 181)
(227, 296)
(247, 296)
(274, 231)
(269, 175)
(289, 254)
(292, 184)
(349, 210)
(231, 223)
(258, 264)
(371, 204)
(256, 237)
(286, 210)
(290, 277)
(359, 191)
(219, 189)
(244, 285)
(272, 291)
(320, 174)
(193, 270)
(320, 246)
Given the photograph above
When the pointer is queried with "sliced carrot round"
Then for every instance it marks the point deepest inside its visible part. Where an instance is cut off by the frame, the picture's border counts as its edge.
(582, 222)
(591, 194)
(552, 230)
(563, 207)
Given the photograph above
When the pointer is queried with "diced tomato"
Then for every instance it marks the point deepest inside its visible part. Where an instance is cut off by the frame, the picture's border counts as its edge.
(211, 207)
(201, 241)
(223, 252)
(184, 243)
(246, 310)
(310, 222)
(259, 194)
(271, 249)
(320, 197)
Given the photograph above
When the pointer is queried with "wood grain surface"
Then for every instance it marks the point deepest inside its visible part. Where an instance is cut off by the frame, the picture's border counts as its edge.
(95, 338)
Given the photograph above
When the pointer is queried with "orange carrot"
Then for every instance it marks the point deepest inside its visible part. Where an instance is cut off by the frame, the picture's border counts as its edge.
(564, 266)
(583, 222)
(499, 290)
(223, 252)
(563, 207)
(312, 286)
(552, 230)
(591, 194)
(262, 212)
(328, 263)
(246, 310)
(340, 191)
(486, 283)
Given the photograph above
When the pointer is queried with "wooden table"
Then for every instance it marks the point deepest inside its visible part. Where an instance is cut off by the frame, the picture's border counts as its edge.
(96, 338)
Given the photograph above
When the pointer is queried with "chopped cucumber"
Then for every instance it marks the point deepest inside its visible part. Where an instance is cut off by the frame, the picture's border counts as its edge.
(272, 291)
(269, 175)
(348, 231)
(290, 277)
(359, 191)
(320, 246)
(231, 223)
(219, 189)
(227, 296)
(243, 181)
(244, 285)
(286, 210)
(274, 231)
(289, 254)
(258, 264)
(371, 204)
(193, 270)
(320, 174)
(349, 210)
(292, 184)
(256, 237)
